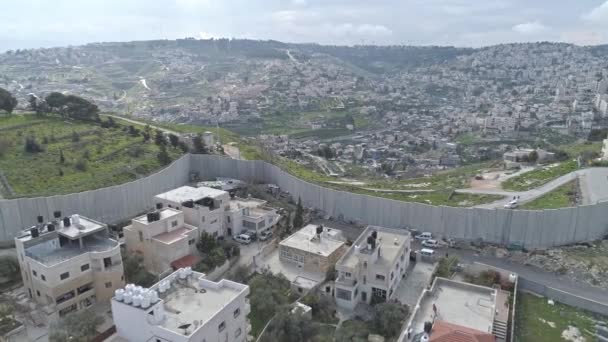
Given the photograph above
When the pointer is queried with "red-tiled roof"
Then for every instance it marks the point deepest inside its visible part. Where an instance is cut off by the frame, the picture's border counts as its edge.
(186, 261)
(447, 332)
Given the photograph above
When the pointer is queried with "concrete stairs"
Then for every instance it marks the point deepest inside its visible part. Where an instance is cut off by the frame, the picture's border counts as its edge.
(499, 329)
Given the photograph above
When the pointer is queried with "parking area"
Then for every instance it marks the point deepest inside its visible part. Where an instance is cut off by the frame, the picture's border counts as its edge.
(417, 278)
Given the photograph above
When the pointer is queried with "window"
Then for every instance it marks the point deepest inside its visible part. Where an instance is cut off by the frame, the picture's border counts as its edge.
(237, 312)
(380, 277)
(356, 292)
(84, 267)
(203, 219)
(38, 293)
(228, 219)
(221, 327)
(365, 264)
(364, 279)
(108, 284)
(34, 273)
(343, 294)
(379, 293)
(65, 275)
(141, 236)
(191, 242)
(42, 277)
(392, 275)
(174, 224)
(347, 274)
(237, 333)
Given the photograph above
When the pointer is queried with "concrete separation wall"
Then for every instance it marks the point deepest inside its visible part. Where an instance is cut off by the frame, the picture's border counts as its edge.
(563, 297)
(532, 229)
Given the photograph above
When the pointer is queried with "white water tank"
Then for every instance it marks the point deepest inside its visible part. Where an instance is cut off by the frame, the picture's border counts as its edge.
(129, 287)
(188, 270)
(119, 294)
(76, 219)
(137, 300)
(128, 297)
(153, 296)
(137, 289)
(159, 314)
(182, 273)
(512, 278)
(145, 302)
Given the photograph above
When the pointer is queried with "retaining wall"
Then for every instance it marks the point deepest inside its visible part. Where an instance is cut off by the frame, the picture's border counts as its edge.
(532, 229)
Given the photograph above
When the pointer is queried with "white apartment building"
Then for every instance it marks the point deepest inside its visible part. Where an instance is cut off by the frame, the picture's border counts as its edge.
(249, 214)
(163, 239)
(203, 207)
(69, 264)
(372, 267)
(182, 307)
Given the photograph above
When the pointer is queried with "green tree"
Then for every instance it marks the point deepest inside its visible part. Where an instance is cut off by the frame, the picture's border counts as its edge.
(75, 137)
(81, 164)
(533, 157)
(33, 103)
(163, 156)
(81, 327)
(135, 272)
(206, 243)
(198, 145)
(288, 327)
(55, 101)
(61, 157)
(298, 219)
(7, 101)
(388, 318)
(267, 293)
(159, 138)
(174, 140)
(32, 146)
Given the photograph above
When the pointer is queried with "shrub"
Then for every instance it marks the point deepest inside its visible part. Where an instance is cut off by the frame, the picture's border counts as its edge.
(81, 165)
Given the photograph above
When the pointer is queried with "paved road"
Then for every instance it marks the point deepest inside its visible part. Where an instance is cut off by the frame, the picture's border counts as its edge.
(136, 122)
(557, 281)
(595, 188)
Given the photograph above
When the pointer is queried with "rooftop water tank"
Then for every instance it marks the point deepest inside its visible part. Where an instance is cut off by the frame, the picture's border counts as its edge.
(128, 297)
(119, 294)
(129, 287)
(76, 219)
(512, 277)
(153, 296)
(137, 300)
(145, 302)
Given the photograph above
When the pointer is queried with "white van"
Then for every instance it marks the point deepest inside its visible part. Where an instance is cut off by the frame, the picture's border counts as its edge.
(427, 252)
(243, 238)
(424, 236)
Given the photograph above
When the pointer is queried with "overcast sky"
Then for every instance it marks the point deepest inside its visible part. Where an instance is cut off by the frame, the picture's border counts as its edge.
(44, 23)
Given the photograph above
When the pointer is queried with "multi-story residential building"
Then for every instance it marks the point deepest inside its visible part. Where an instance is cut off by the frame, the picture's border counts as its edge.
(314, 248)
(372, 267)
(182, 307)
(203, 207)
(249, 214)
(69, 264)
(163, 239)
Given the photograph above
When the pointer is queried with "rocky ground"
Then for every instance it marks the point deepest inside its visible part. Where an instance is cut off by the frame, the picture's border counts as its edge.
(585, 262)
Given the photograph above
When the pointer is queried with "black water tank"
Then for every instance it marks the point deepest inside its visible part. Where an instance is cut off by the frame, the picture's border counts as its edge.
(159, 205)
(57, 214)
(374, 234)
(67, 222)
(319, 229)
(34, 232)
(40, 219)
(50, 227)
(428, 327)
(188, 204)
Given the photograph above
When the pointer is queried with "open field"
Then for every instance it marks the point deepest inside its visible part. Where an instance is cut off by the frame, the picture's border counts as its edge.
(94, 157)
(563, 196)
(540, 176)
(537, 321)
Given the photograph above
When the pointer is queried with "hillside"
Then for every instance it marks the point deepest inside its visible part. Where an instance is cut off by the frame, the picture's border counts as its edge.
(93, 156)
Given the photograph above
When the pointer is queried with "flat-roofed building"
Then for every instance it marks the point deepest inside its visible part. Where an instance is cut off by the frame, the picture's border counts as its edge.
(372, 267)
(163, 239)
(203, 207)
(460, 310)
(315, 248)
(249, 214)
(69, 264)
(182, 307)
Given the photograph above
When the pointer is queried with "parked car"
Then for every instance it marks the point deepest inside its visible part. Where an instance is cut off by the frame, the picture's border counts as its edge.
(252, 234)
(424, 236)
(265, 235)
(430, 243)
(426, 252)
(243, 238)
(514, 203)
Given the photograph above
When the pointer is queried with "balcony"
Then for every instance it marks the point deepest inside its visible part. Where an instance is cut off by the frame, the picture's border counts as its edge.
(346, 281)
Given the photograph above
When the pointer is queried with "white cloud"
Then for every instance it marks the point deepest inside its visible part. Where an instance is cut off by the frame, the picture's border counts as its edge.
(599, 14)
(299, 2)
(533, 27)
